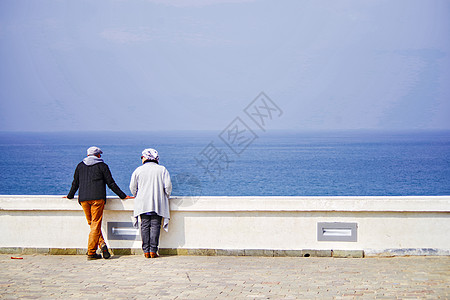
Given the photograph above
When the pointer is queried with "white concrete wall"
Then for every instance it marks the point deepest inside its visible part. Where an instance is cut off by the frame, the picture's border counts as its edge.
(386, 225)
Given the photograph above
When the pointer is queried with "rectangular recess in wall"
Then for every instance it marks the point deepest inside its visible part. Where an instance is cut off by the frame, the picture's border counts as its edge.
(337, 232)
(122, 231)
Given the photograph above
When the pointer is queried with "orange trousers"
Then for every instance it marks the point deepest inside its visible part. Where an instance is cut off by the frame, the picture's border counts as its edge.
(93, 209)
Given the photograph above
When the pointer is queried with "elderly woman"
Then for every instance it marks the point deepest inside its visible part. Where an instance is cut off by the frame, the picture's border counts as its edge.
(151, 185)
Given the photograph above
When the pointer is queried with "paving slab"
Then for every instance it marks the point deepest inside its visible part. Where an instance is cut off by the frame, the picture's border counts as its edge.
(224, 277)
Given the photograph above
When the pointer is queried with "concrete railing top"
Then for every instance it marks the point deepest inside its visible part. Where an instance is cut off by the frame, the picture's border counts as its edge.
(251, 203)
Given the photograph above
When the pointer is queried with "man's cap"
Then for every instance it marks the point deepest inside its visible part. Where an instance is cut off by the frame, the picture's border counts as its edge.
(94, 151)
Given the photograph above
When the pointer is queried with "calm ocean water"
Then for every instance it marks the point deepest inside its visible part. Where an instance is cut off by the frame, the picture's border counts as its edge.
(274, 164)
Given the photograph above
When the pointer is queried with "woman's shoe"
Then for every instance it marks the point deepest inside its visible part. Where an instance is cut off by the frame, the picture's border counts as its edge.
(153, 255)
(147, 255)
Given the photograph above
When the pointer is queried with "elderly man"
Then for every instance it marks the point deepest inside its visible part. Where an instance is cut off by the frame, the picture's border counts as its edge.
(91, 176)
(151, 185)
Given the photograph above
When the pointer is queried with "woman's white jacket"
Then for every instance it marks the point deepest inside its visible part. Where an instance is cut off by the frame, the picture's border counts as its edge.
(151, 186)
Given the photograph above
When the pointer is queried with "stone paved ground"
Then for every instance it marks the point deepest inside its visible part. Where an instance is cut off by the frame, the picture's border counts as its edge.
(224, 277)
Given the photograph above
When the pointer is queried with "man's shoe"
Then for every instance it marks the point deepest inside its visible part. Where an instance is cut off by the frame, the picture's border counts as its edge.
(105, 252)
(153, 255)
(94, 256)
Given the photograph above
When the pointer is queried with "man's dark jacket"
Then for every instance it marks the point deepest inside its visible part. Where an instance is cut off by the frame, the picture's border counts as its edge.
(91, 180)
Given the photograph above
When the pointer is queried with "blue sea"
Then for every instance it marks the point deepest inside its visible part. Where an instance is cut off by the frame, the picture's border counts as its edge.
(208, 163)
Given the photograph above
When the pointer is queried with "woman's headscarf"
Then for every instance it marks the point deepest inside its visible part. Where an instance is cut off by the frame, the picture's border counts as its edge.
(150, 154)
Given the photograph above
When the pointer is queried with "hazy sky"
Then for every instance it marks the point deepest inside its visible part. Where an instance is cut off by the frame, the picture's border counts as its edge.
(197, 64)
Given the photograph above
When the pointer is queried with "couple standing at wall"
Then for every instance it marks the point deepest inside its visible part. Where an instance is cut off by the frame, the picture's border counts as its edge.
(150, 185)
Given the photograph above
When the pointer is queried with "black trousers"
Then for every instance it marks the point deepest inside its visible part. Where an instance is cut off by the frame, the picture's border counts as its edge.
(150, 230)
